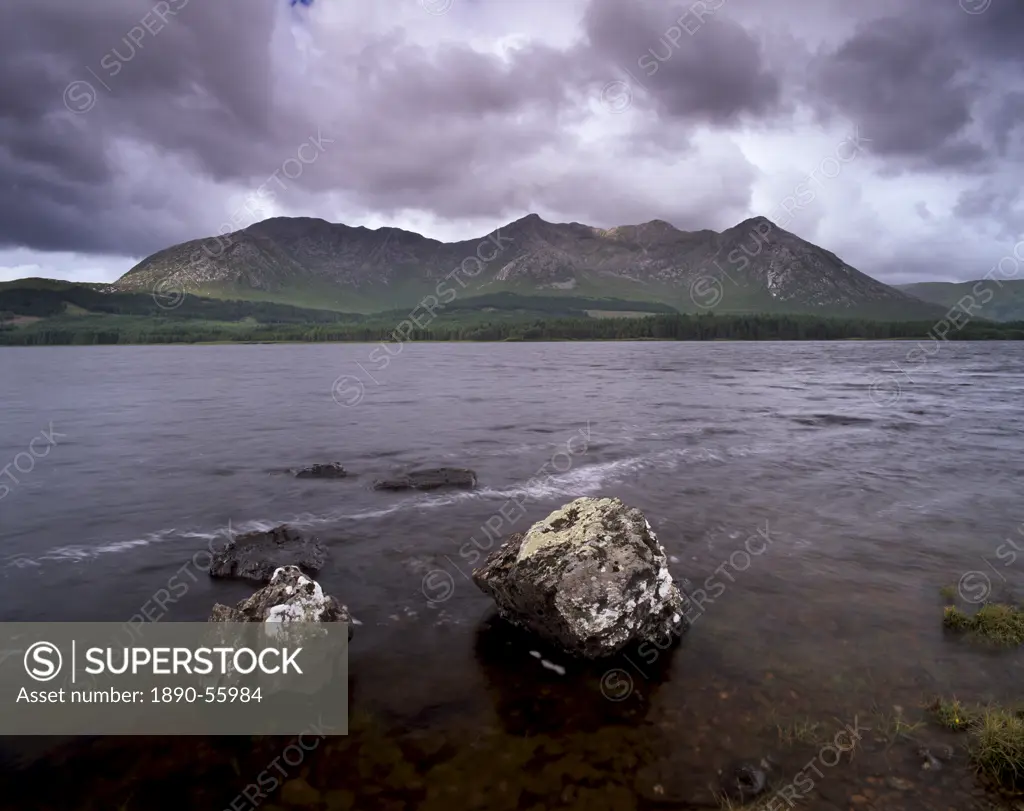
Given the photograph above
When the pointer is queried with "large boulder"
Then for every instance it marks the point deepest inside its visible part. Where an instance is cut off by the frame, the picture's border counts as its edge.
(429, 479)
(591, 578)
(255, 556)
(290, 596)
(328, 471)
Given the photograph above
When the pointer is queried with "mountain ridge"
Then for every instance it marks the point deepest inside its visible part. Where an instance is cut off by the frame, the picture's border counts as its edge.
(755, 266)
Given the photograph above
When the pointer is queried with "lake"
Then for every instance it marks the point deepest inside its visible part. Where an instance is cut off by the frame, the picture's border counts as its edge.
(878, 479)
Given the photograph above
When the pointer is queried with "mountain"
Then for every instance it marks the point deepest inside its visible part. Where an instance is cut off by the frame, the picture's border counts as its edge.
(993, 299)
(753, 267)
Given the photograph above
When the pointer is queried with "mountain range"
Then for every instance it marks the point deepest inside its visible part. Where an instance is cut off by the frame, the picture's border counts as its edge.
(753, 267)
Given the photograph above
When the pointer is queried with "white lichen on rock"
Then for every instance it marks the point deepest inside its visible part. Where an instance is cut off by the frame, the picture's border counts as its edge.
(308, 603)
(290, 597)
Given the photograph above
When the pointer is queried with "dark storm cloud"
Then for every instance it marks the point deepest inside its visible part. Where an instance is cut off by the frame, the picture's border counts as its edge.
(900, 81)
(920, 82)
(80, 78)
(1007, 121)
(994, 34)
(697, 66)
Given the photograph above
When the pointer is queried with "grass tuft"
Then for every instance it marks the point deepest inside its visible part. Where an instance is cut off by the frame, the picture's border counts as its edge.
(1001, 623)
(997, 747)
(998, 623)
(889, 727)
(954, 715)
(803, 731)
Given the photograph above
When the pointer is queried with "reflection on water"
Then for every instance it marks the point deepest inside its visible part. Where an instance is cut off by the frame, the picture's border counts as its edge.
(870, 510)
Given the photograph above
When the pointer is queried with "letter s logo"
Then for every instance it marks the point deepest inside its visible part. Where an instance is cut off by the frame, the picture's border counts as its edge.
(43, 661)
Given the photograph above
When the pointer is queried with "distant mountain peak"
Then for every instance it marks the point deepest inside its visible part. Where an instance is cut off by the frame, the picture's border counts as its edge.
(754, 222)
(529, 219)
(659, 225)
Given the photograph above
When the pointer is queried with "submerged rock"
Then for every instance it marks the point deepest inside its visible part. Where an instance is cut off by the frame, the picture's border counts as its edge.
(745, 781)
(429, 479)
(290, 596)
(257, 555)
(329, 471)
(591, 578)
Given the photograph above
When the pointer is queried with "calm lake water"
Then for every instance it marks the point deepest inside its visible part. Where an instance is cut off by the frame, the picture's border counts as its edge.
(877, 479)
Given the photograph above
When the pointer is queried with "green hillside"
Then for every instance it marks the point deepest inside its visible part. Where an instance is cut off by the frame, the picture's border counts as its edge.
(995, 299)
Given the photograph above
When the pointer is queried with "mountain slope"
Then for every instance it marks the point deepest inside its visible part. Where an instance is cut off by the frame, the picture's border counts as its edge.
(753, 267)
(1006, 302)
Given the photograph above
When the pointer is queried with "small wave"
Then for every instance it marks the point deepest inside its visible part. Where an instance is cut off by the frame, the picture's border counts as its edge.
(904, 426)
(572, 483)
(587, 479)
(832, 419)
(77, 553)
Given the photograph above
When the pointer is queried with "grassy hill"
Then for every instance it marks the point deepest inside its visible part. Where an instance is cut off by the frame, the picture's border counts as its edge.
(42, 311)
(1006, 302)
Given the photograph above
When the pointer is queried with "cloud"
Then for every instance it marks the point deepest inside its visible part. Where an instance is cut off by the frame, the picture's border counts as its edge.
(130, 125)
(902, 83)
(698, 67)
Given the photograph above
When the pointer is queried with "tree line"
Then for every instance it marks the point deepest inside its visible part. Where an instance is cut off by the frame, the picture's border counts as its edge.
(674, 327)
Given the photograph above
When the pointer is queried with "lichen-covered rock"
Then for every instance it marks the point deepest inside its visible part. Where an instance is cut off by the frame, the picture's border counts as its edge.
(591, 577)
(291, 596)
(255, 556)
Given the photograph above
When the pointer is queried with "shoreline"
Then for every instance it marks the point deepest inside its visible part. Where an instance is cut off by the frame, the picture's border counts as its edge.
(529, 341)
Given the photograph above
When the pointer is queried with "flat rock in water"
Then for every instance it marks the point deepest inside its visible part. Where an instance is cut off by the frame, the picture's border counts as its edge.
(290, 596)
(256, 555)
(429, 479)
(329, 471)
(591, 578)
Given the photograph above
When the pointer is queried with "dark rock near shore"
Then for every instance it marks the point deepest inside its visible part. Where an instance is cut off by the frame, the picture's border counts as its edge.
(591, 578)
(290, 596)
(256, 555)
(429, 479)
(328, 471)
(744, 781)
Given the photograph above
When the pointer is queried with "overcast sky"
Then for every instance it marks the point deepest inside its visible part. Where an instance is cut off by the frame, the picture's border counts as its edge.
(128, 125)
